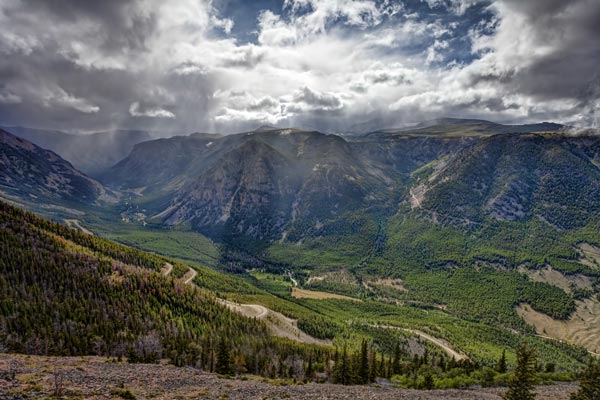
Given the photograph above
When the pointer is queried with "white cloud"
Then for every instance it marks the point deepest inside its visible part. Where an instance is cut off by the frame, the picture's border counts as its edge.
(135, 110)
(9, 98)
(54, 96)
(335, 62)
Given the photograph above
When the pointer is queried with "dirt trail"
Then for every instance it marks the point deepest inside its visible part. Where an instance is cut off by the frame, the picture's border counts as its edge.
(279, 324)
(76, 224)
(443, 344)
(189, 276)
(249, 310)
(166, 269)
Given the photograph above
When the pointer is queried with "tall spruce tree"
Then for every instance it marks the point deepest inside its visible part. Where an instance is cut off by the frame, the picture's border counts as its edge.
(363, 369)
(308, 373)
(223, 358)
(342, 371)
(373, 370)
(396, 363)
(589, 383)
(521, 385)
(501, 367)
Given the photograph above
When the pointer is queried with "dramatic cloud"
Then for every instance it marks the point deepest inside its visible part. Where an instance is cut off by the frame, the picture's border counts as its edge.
(186, 65)
(136, 111)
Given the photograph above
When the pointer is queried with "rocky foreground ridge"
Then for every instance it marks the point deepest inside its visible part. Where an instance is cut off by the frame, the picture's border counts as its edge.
(35, 377)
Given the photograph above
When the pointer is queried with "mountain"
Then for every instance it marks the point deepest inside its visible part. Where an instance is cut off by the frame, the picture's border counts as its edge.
(38, 175)
(258, 184)
(466, 240)
(517, 177)
(465, 127)
(69, 293)
(90, 153)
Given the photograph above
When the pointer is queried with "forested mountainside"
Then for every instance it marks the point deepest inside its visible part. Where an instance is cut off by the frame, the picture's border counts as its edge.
(466, 225)
(65, 292)
(69, 293)
(518, 177)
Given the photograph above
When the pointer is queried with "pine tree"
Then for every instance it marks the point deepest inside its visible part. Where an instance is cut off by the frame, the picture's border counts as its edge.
(363, 369)
(521, 385)
(396, 363)
(589, 383)
(223, 366)
(501, 367)
(428, 382)
(308, 374)
(342, 373)
(373, 371)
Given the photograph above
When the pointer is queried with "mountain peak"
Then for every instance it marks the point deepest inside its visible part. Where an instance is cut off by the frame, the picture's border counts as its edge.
(264, 128)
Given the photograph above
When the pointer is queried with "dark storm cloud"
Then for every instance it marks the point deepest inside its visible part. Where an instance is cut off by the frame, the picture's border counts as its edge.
(125, 25)
(546, 49)
(185, 66)
(87, 66)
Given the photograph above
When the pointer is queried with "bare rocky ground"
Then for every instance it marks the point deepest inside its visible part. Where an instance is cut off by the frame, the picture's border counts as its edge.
(33, 377)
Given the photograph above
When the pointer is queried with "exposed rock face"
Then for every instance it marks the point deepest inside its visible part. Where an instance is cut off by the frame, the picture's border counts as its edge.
(256, 184)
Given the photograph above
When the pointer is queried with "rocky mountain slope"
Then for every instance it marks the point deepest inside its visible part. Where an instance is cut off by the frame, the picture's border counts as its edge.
(90, 153)
(38, 175)
(519, 177)
(273, 184)
(258, 184)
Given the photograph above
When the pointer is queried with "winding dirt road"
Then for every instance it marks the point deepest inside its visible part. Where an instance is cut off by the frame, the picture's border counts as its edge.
(189, 276)
(279, 324)
(166, 269)
(249, 310)
(441, 343)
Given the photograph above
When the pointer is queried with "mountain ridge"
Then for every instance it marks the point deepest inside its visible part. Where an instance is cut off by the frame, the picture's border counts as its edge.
(35, 174)
(90, 153)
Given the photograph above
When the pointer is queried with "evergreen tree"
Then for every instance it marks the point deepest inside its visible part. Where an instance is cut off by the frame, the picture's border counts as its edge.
(373, 371)
(382, 367)
(428, 382)
(223, 366)
(425, 359)
(501, 367)
(363, 369)
(308, 374)
(521, 385)
(396, 363)
(589, 383)
(342, 373)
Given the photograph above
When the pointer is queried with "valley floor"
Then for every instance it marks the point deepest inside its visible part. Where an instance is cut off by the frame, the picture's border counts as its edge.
(32, 377)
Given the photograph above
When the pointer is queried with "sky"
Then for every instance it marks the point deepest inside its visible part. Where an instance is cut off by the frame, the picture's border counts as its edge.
(335, 65)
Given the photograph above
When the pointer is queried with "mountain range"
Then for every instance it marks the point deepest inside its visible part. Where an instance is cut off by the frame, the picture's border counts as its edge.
(487, 223)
